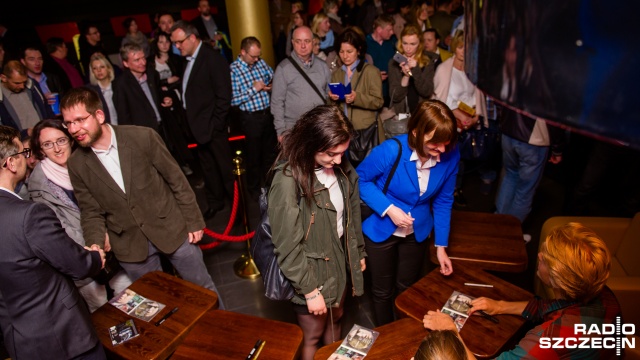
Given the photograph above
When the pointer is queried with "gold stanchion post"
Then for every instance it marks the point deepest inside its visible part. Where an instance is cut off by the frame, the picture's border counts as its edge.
(244, 266)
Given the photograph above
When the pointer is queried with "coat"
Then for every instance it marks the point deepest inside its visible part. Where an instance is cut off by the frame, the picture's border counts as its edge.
(42, 315)
(318, 262)
(369, 100)
(423, 81)
(431, 210)
(159, 205)
(132, 104)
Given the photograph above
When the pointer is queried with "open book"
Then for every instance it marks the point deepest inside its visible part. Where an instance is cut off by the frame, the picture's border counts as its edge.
(356, 345)
(136, 305)
(457, 307)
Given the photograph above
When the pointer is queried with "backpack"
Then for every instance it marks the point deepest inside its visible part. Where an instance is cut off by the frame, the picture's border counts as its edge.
(276, 285)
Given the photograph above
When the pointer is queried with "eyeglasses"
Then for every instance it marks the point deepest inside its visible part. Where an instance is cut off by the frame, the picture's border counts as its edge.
(179, 42)
(300, 41)
(26, 152)
(67, 124)
(60, 142)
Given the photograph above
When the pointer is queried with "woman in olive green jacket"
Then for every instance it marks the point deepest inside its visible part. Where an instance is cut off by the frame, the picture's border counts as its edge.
(314, 210)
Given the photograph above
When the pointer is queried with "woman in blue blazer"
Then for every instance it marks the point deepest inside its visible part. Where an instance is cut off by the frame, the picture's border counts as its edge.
(419, 198)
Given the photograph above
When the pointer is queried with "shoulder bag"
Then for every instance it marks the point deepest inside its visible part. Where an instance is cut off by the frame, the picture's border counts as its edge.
(365, 210)
(306, 77)
(364, 140)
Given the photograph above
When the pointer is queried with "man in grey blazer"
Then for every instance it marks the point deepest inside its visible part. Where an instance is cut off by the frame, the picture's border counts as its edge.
(42, 315)
(129, 187)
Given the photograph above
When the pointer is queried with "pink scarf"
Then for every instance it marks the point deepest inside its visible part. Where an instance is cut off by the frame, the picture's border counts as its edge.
(58, 175)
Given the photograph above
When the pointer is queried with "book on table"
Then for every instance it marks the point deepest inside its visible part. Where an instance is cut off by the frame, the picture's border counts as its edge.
(457, 306)
(136, 305)
(356, 345)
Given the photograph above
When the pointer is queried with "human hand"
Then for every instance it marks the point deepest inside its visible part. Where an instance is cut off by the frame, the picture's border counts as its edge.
(195, 236)
(383, 75)
(399, 217)
(406, 70)
(50, 99)
(167, 102)
(173, 79)
(490, 306)
(446, 268)
(333, 96)
(267, 87)
(217, 37)
(411, 63)
(315, 303)
(363, 265)
(259, 85)
(107, 243)
(350, 98)
(103, 257)
(436, 320)
(463, 120)
(280, 137)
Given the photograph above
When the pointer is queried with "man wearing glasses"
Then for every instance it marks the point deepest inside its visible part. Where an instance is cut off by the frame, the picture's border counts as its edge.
(206, 98)
(251, 84)
(129, 187)
(292, 94)
(37, 263)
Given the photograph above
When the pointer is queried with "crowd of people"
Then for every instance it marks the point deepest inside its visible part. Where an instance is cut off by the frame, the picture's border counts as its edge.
(104, 148)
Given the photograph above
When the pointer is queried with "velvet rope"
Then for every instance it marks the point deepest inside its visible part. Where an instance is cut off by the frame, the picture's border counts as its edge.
(225, 235)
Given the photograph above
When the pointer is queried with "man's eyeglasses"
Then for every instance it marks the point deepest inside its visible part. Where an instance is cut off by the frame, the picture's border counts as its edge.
(26, 152)
(179, 42)
(60, 142)
(78, 122)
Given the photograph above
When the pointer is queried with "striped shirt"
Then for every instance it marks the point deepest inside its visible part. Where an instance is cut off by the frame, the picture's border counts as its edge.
(242, 78)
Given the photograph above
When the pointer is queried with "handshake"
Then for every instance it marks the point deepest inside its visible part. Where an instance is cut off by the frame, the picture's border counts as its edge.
(97, 248)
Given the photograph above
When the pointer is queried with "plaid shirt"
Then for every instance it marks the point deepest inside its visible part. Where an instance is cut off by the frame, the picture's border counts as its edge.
(242, 78)
(556, 318)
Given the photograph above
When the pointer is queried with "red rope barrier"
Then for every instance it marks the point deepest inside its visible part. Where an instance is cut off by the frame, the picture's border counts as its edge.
(225, 235)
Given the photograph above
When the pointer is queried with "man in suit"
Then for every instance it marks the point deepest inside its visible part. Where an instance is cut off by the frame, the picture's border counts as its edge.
(136, 94)
(206, 98)
(42, 315)
(129, 187)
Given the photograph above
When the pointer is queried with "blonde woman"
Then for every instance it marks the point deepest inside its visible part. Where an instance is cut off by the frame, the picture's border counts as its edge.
(321, 26)
(411, 79)
(100, 78)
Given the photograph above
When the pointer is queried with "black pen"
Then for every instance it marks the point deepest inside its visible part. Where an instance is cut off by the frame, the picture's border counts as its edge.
(255, 348)
(488, 317)
(164, 318)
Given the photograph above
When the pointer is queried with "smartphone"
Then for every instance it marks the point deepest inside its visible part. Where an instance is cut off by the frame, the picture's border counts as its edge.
(399, 58)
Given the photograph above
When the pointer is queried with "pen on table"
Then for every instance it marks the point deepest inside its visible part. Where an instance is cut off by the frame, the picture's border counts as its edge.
(255, 348)
(488, 317)
(479, 285)
(164, 318)
(255, 356)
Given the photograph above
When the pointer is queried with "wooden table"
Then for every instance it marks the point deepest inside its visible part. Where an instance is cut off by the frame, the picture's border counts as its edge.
(489, 241)
(156, 342)
(223, 334)
(398, 340)
(483, 337)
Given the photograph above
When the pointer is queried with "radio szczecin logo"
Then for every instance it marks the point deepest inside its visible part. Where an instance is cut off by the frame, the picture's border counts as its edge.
(611, 336)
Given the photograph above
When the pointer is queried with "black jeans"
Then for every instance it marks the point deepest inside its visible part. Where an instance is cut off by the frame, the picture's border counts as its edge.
(261, 144)
(394, 265)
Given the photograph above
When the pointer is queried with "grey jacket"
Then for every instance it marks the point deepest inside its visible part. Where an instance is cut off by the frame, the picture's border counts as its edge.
(323, 260)
(292, 95)
(44, 191)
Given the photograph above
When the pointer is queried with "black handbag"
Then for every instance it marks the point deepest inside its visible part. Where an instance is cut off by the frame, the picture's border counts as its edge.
(276, 285)
(364, 140)
(478, 143)
(365, 210)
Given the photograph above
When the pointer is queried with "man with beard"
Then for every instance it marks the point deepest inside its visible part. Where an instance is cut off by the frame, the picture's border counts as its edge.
(129, 187)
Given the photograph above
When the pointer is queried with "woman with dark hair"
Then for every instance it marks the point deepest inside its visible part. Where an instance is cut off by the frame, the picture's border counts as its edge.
(49, 183)
(168, 65)
(314, 210)
(410, 81)
(361, 105)
(135, 36)
(418, 200)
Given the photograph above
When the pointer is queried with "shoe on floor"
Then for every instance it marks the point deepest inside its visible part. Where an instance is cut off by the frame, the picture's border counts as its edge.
(458, 199)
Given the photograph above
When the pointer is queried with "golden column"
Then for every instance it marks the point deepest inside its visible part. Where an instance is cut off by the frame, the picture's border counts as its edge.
(250, 18)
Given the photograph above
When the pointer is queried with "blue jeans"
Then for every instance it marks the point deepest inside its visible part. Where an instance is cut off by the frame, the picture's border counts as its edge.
(523, 165)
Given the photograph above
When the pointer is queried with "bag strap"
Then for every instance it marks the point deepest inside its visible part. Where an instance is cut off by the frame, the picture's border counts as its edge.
(393, 169)
(306, 77)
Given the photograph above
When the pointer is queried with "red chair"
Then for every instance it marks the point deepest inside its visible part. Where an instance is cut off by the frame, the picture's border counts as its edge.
(65, 30)
(144, 24)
